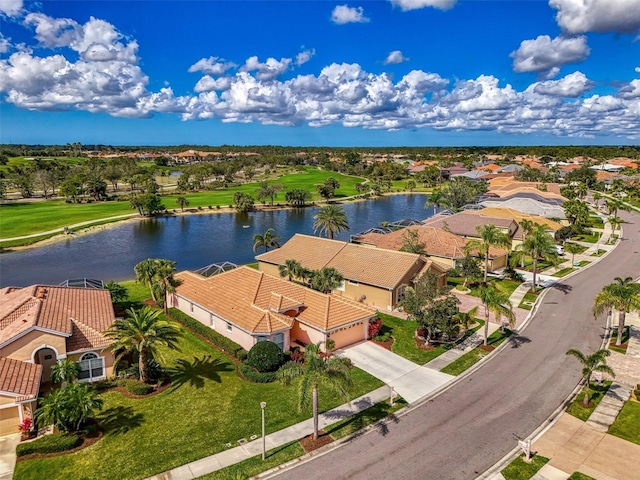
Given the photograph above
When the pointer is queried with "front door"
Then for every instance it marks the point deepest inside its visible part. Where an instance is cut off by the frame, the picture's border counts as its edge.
(46, 357)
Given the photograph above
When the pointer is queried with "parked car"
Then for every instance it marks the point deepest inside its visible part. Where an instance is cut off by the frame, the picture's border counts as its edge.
(560, 250)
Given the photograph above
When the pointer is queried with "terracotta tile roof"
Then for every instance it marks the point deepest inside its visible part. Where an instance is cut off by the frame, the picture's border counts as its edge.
(79, 313)
(467, 225)
(355, 262)
(20, 378)
(244, 297)
(492, 167)
(438, 242)
(515, 215)
(602, 175)
(625, 162)
(511, 184)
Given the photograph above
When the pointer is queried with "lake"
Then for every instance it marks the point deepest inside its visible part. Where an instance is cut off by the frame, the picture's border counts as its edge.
(193, 241)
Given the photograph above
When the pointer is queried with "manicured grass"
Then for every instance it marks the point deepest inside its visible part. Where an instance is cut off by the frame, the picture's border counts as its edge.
(528, 297)
(612, 239)
(253, 466)
(505, 285)
(582, 248)
(521, 470)
(587, 237)
(138, 292)
(583, 263)
(18, 219)
(469, 359)
(580, 476)
(403, 332)
(626, 425)
(207, 406)
(595, 222)
(564, 272)
(364, 418)
(597, 392)
(599, 253)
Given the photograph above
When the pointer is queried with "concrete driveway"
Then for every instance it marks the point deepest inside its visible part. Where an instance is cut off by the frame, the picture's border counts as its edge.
(8, 455)
(411, 381)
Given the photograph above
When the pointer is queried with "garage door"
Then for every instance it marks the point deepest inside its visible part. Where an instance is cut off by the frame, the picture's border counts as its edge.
(9, 420)
(348, 336)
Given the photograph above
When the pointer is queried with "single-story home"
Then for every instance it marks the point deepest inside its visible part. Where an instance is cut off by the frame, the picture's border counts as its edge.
(40, 325)
(374, 276)
(249, 306)
(442, 247)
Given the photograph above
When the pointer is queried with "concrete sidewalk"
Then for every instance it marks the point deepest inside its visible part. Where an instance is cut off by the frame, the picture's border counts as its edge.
(455, 353)
(609, 407)
(234, 455)
(8, 455)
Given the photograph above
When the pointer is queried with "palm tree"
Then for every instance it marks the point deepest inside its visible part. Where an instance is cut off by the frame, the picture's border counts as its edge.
(615, 223)
(142, 332)
(163, 280)
(182, 202)
(527, 227)
(467, 318)
(596, 198)
(435, 198)
(266, 241)
(65, 371)
(145, 272)
(539, 244)
(498, 303)
(596, 362)
(572, 248)
(326, 279)
(613, 205)
(68, 408)
(330, 220)
(623, 295)
(332, 373)
(291, 268)
(490, 235)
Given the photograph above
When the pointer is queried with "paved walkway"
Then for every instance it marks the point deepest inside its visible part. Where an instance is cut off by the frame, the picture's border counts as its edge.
(609, 407)
(455, 353)
(411, 381)
(8, 455)
(251, 449)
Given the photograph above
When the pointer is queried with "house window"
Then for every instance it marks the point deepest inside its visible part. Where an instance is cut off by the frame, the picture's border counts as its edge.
(353, 282)
(401, 290)
(91, 367)
(213, 322)
(191, 307)
(278, 339)
(229, 327)
(261, 338)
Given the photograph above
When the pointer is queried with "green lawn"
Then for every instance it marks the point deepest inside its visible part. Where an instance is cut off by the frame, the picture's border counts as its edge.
(626, 425)
(18, 219)
(596, 393)
(469, 359)
(207, 407)
(583, 263)
(364, 418)
(587, 237)
(580, 476)
(599, 253)
(521, 470)
(529, 297)
(505, 285)
(625, 340)
(564, 272)
(403, 332)
(581, 248)
(595, 222)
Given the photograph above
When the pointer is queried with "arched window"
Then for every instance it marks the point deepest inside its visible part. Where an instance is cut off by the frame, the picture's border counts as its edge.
(278, 339)
(91, 367)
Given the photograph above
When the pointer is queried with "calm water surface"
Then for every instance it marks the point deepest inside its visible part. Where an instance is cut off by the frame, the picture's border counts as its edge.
(192, 241)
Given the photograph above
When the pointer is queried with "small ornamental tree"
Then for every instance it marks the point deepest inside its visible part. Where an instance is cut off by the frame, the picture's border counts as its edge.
(375, 324)
(266, 356)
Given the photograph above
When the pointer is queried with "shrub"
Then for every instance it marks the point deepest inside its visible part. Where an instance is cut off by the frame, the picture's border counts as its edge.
(265, 356)
(56, 442)
(136, 387)
(26, 425)
(253, 375)
(454, 272)
(375, 324)
(220, 341)
(105, 384)
(382, 338)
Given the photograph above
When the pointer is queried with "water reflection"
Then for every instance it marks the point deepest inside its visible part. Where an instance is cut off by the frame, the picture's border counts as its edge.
(193, 241)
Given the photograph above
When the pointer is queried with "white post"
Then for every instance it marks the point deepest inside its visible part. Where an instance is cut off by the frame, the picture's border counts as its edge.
(392, 395)
(264, 445)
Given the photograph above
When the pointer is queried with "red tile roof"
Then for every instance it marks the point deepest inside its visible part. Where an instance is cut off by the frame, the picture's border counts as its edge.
(20, 378)
(245, 297)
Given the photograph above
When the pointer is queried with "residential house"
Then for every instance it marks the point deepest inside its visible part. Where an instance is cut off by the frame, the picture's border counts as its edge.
(249, 306)
(373, 276)
(40, 325)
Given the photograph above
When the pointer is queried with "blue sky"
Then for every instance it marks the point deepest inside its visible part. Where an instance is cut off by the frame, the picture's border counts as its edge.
(360, 73)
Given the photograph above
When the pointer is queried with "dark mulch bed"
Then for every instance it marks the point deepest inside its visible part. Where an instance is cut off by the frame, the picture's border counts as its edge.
(487, 348)
(150, 303)
(422, 346)
(309, 444)
(127, 394)
(87, 441)
(386, 344)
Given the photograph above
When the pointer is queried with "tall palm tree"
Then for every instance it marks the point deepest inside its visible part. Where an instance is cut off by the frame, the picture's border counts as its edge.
(613, 205)
(65, 371)
(615, 223)
(163, 280)
(498, 303)
(266, 241)
(291, 268)
(326, 279)
(596, 362)
(527, 227)
(539, 245)
(142, 332)
(623, 295)
(490, 236)
(596, 198)
(330, 220)
(435, 198)
(572, 248)
(332, 373)
(145, 272)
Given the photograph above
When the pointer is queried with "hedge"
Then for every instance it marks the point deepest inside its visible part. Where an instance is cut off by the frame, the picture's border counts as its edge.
(253, 375)
(135, 387)
(220, 341)
(266, 356)
(55, 442)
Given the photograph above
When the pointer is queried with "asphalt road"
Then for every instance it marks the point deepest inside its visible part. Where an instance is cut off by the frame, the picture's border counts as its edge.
(464, 431)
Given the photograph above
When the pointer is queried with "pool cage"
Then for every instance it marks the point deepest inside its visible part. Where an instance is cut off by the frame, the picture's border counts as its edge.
(216, 268)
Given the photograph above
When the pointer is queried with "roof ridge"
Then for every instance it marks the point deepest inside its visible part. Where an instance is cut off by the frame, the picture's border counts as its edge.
(257, 288)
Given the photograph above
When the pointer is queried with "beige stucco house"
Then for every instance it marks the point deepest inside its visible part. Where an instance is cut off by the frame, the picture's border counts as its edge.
(249, 306)
(373, 276)
(40, 325)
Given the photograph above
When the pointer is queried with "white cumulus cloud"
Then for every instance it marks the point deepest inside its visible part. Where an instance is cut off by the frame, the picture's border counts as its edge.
(212, 66)
(395, 57)
(304, 56)
(343, 14)
(268, 70)
(11, 8)
(544, 54)
(406, 5)
(581, 16)
(572, 85)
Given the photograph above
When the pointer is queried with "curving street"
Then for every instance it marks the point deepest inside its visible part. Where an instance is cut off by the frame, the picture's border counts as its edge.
(464, 431)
